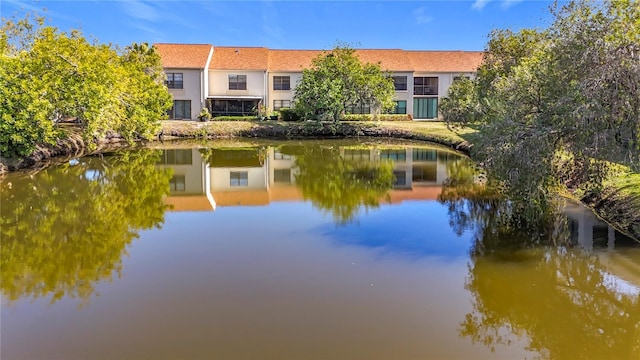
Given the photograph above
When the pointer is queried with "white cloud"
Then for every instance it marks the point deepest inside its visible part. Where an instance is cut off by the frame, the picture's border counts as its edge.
(479, 4)
(504, 4)
(507, 3)
(420, 16)
(140, 10)
(157, 35)
(21, 7)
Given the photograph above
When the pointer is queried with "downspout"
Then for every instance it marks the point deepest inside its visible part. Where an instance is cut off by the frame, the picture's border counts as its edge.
(266, 90)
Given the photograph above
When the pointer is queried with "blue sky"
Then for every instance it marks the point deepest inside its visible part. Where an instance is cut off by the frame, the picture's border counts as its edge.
(427, 25)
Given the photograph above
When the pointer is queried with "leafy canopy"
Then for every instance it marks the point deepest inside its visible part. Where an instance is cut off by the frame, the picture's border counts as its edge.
(565, 97)
(47, 76)
(338, 81)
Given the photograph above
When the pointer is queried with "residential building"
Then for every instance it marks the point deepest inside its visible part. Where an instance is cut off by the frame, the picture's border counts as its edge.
(241, 78)
(186, 67)
(237, 80)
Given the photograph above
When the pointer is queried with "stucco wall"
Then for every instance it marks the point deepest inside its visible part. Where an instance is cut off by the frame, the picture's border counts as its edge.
(294, 78)
(219, 83)
(191, 89)
(221, 178)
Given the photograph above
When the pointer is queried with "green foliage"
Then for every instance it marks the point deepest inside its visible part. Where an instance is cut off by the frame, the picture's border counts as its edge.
(24, 113)
(460, 106)
(374, 117)
(66, 228)
(569, 90)
(50, 76)
(337, 185)
(289, 115)
(338, 81)
(204, 115)
(234, 118)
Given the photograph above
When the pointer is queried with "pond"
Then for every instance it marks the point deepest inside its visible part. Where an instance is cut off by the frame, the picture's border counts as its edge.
(370, 249)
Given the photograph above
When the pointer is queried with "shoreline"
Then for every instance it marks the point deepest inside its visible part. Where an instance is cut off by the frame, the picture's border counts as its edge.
(434, 132)
(74, 145)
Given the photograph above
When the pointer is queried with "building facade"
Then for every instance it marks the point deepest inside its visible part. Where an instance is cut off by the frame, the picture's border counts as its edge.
(237, 80)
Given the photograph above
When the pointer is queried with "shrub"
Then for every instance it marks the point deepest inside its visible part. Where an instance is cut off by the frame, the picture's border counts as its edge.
(205, 115)
(289, 115)
(381, 117)
(234, 118)
(357, 117)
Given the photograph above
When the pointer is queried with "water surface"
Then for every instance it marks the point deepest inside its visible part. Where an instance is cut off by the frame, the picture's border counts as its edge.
(301, 250)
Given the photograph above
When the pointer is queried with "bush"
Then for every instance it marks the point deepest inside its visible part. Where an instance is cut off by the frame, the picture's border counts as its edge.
(205, 115)
(381, 117)
(289, 115)
(234, 118)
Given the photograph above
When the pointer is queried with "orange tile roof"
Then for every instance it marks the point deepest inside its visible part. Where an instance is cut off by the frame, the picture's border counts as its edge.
(184, 56)
(239, 58)
(389, 59)
(296, 60)
(291, 60)
(261, 58)
(445, 61)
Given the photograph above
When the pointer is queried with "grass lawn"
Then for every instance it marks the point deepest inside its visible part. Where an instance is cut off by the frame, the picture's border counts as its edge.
(435, 131)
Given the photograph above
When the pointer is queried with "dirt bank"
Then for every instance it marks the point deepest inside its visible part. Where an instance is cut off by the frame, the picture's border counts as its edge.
(64, 149)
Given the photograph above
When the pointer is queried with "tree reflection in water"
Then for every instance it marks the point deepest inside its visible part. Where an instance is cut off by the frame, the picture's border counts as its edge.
(533, 285)
(66, 228)
(338, 185)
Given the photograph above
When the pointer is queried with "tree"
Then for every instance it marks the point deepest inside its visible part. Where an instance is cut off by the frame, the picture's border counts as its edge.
(24, 114)
(49, 76)
(460, 107)
(338, 81)
(566, 95)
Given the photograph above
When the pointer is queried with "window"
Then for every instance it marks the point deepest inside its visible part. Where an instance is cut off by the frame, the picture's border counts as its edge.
(181, 109)
(359, 109)
(425, 108)
(279, 104)
(177, 157)
(239, 178)
(400, 83)
(174, 80)
(277, 155)
(458, 78)
(177, 183)
(424, 155)
(425, 86)
(357, 154)
(281, 83)
(237, 82)
(424, 173)
(401, 107)
(282, 176)
(399, 155)
(234, 107)
(399, 178)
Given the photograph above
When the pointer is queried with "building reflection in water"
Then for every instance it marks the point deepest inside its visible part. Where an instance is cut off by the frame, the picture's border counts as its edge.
(590, 233)
(189, 188)
(260, 175)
